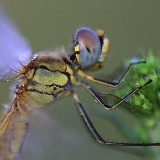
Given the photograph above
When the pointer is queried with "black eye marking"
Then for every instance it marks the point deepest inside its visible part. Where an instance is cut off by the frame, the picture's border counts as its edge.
(88, 49)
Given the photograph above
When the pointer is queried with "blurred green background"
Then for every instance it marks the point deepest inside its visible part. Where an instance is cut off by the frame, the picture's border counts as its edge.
(132, 27)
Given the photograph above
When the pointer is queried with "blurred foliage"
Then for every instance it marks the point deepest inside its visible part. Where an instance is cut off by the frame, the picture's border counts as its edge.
(147, 99)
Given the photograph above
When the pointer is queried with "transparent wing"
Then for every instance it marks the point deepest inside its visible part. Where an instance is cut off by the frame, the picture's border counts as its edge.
(35, 135)
(132, 128)
(15, 51)
(112, 100)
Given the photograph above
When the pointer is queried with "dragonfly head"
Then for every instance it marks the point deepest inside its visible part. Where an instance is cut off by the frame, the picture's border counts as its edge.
(89, 47)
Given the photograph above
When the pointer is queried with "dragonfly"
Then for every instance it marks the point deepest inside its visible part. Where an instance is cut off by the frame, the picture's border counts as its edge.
(45, 77)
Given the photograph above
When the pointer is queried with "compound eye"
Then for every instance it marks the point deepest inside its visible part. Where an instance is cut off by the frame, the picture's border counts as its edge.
(87, 46)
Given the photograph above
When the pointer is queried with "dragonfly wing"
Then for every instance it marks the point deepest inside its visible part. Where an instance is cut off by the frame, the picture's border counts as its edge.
(11, 140)
(15, 51)
(133, 128)
(113, 99)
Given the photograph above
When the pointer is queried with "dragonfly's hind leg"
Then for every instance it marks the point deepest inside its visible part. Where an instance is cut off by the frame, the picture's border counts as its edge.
(95, 133)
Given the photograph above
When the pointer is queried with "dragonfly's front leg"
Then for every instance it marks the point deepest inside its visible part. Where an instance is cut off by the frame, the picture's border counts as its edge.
(107, 83)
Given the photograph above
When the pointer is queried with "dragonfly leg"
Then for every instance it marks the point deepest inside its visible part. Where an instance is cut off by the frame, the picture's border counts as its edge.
(95, 133)
(104, 103)
(107, 83)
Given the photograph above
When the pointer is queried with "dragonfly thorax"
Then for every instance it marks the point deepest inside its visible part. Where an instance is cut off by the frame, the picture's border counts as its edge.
(47, 79)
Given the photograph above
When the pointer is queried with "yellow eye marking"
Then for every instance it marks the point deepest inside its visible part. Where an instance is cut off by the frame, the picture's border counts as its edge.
(76, 48)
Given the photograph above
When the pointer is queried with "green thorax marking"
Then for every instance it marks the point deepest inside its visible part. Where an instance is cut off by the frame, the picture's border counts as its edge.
(49, 79)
